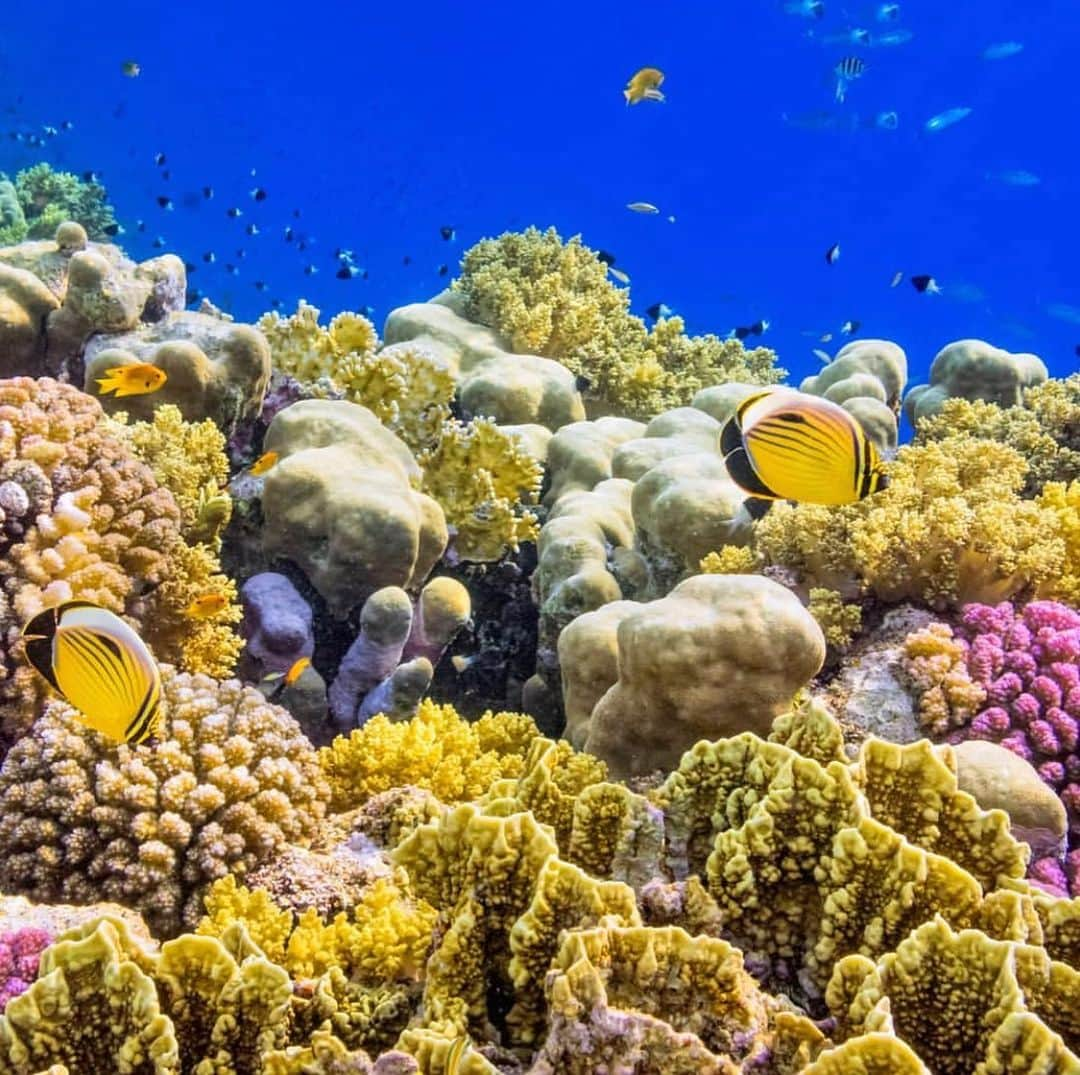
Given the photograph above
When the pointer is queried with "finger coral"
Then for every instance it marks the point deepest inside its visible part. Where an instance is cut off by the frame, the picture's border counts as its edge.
(231, 780)
(546, 297)
(949, 529)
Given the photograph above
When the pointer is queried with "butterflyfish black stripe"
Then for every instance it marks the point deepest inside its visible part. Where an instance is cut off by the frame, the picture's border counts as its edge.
(797, 436)
(117, 679)
(120, 667)
(86, 650)
(140, 712)
(857, 450)
(150, 704)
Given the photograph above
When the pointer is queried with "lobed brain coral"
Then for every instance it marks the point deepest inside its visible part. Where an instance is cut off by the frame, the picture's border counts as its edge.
(230, 781)
(551, 298)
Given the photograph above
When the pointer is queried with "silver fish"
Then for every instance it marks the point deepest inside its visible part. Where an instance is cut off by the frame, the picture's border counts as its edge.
(642, 207)
(1002, 50)
(947, 118)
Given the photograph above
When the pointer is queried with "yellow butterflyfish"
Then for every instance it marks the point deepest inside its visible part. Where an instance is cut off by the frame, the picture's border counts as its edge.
(781, 444)
(100, 666)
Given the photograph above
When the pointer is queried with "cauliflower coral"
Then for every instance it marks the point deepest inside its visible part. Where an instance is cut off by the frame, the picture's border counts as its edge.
(230, 781)
(550, 298)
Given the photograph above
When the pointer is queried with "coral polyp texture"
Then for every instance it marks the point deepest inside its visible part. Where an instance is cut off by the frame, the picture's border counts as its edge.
(230, 780)
(1011, 676)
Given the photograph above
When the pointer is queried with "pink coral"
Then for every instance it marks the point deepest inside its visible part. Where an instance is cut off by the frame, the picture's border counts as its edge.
(19, 954)
(1028, 663)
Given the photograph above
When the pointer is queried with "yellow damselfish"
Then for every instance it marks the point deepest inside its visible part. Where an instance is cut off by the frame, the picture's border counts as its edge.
(101, 667)
(263, 463)
(781, 444)
(644, 85)
(206, 605)
(139, 379)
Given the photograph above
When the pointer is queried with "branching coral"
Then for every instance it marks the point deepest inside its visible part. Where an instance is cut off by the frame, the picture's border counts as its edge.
(950, 528)
(730, 560)
(231, 780)
(48, 198)
(84, 518)
(838, 620)
(437, 750)
(551, 298)
(935, 662)
(484, 480)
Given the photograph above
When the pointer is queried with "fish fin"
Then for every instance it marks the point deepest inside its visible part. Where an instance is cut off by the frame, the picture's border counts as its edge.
(757, 507)
(742, 473)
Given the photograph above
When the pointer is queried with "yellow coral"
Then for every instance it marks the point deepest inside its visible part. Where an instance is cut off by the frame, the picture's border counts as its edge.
(483, 478)
(1045, 430)
(1064, 501)
(730, 560)
(186, 458)
(949, 529)
(934, 662)
(304, 349)
(838, 620)
(436, 750)
(228, 902)
(551, 298)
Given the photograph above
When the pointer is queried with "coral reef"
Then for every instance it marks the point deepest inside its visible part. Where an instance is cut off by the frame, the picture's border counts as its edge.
(230, 781)
(546, 297)
(974, 369)
(949, 529)
(216, 369)
(1014, 679)
(40, 200)
(20, 950)
(342, 503)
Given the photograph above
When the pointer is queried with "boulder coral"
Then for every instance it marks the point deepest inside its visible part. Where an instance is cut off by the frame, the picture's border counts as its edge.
(974, 370)
(546, 297)
(720, 654)
(342, 503)
(230, 780)
(216, 369)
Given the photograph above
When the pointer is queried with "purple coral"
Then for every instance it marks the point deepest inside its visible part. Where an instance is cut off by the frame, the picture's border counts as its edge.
(277, 622)
(1029, 664)
(20, 951)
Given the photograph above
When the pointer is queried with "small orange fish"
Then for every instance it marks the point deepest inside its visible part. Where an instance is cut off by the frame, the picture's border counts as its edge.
(139, 379)
(207, 605)
(263, 463)
(287, 679)
(644, 86)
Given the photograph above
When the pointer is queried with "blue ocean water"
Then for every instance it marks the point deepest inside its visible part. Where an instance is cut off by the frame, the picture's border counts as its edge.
(381, 123)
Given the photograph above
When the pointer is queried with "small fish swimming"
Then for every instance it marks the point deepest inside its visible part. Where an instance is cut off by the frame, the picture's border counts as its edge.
(822, 356)
(288, 678)
(947, 118)
(91, 177)
(758, 328)
(619, 275)
(159, 242)
(1002, 50)
(207, 605)
(447, 233)
(658, 310)
(887, 13)
(886, 121)
(847, 71)
(207, 192)
(898, 277)
(252, 229)
(642, 207)
(925, 285)
(444, 270)
(832, 255)
(310, 270)
(806, 9)
(258, 195)
(849, 328)
(782, 444)
(234, 212)
(165, 202)
(1063, 312)
(263, 463)
(138, 379)
(209, 257)
(130, 69)
(101, 667)
(460, 663)
(606, 257)
(1015, 177)
(891, 39)
(644, 85)
(159, 159)
(113, 229)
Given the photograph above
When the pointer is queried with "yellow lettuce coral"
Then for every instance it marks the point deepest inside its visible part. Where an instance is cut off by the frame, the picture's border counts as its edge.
(551, 298)
(483, 478)
(437, 750)
(949, 529)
